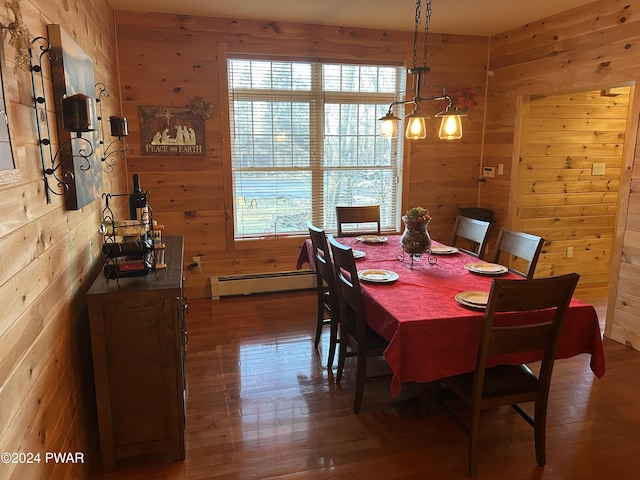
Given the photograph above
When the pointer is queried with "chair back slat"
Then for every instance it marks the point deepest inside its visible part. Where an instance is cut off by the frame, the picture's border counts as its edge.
(363, 219)
(521, 245)
(508, 340)
(322, 255)
(472, 230)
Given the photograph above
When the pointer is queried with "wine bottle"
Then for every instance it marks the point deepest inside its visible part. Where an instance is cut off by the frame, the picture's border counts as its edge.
(113, 271)
(137, 200)
(125, 228)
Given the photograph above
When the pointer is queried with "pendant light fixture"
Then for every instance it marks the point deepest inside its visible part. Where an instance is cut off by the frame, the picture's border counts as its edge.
(416, 129)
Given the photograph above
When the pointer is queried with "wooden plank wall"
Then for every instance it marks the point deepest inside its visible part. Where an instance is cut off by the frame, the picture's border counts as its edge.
(583, 49)
(623, 323)
(167, 59)
(48, 256)
(558, 197)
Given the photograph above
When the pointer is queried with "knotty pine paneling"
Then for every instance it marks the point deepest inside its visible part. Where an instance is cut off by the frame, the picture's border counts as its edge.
(548, 174)
(166, 59)
(49, 256)
(584, 49)
(623, 320)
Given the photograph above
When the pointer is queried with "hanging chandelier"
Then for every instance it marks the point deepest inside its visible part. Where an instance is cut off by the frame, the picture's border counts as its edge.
(416, 129)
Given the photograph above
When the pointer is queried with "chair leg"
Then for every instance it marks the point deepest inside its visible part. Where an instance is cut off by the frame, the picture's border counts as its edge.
(540, 413)
(342, 355)
(319, 321)
(361, 377)
(473, 443)
(333, 340)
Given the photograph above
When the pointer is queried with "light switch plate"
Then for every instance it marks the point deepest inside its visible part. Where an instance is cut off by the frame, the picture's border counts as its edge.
(598, 168)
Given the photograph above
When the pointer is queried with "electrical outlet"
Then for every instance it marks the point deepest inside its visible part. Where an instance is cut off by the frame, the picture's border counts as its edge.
(501, 169)
(489, 172)
(196, 261)
(598, 168)
(569, 252)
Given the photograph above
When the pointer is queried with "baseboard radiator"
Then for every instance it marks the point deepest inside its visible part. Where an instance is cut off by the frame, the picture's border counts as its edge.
(262, 283)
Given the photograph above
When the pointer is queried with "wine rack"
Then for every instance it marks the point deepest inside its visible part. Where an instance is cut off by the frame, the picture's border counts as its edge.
(131, 247)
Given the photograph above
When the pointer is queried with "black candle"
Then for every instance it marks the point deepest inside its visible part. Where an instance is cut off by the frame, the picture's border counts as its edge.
(118, 126)
(76, 113)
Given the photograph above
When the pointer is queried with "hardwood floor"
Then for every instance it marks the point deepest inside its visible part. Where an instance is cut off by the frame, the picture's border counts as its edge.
(262, 404)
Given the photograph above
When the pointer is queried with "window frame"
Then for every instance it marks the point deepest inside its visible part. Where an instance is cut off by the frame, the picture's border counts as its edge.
(316, 166)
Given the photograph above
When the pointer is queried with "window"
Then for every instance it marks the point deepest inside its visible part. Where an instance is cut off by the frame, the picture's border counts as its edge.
(304, 138)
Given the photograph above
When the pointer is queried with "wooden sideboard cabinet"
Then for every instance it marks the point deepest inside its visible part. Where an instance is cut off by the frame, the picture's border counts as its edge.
(138, 341)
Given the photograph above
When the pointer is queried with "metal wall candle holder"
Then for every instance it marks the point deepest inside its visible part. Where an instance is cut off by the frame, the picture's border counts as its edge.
(117, 149)
(75, 120)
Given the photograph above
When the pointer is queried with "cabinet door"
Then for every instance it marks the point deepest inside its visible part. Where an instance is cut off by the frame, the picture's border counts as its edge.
(144, 375)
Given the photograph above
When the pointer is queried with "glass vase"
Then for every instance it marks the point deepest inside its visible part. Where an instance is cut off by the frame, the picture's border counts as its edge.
(415, 238)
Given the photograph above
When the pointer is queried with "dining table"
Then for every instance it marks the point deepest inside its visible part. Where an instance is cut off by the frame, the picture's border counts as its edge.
(419, 304)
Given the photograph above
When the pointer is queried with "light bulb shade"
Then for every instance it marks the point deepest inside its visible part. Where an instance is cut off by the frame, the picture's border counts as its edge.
(389, 127)
(416, 127)
(450, 127)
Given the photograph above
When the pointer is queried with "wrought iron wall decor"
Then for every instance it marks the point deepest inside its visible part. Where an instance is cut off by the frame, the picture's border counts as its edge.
(116, 149)
(53, 161)
(68, 170)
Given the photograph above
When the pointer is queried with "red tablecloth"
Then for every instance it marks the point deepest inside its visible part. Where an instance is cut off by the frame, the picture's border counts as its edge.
(430, 335)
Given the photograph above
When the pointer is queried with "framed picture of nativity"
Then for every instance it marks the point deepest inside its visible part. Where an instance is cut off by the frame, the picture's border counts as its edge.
(170, 131)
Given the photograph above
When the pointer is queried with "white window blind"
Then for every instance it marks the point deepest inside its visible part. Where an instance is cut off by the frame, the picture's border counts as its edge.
(305, 137)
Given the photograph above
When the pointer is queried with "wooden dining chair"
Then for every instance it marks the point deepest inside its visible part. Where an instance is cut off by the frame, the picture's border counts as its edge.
(362, 220)
(490, 387)
(356, 337)
(525, 246)
(326, 290)
(470, 235)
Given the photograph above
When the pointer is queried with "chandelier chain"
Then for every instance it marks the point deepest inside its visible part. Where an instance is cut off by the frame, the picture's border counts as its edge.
(451, 126)
(427, 20)
(415, 33)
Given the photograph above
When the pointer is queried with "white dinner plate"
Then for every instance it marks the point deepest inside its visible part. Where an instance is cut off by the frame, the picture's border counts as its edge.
(473, 299)
(358, 254)
(372, 239)
(378, 276)
(443, 250)
(486, 268)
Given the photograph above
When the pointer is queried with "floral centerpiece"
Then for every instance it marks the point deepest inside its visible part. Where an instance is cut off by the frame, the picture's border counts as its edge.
(415, 238)
(462, 99)
(419, 214)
